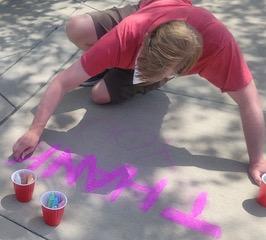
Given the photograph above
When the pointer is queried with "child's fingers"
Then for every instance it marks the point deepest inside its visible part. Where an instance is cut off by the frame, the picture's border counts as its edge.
(26, 153)
(258, 180)
(18, 151)
(256, 175)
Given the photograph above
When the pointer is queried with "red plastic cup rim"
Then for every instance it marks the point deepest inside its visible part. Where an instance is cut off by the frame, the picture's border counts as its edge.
(45, 195)
(25, 171)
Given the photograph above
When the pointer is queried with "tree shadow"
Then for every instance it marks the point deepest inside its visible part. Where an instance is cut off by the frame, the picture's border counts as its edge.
(129, 133)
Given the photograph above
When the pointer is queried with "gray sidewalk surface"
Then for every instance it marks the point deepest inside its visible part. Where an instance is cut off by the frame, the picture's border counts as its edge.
(184, 141)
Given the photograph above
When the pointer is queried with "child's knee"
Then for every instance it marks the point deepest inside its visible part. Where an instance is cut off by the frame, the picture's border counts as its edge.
(99, 93)
(81, 31)
(72, 26)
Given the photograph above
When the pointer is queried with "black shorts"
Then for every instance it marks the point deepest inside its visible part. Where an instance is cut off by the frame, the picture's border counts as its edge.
(119, 82)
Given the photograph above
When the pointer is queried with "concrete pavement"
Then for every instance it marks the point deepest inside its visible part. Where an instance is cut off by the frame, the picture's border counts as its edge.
(183, 142)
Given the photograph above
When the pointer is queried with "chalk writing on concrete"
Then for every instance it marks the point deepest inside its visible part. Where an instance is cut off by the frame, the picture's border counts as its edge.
(97, 177)
(190, 220)
(124, 177)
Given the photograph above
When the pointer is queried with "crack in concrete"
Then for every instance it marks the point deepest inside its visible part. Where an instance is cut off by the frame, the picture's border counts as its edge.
(13, 221)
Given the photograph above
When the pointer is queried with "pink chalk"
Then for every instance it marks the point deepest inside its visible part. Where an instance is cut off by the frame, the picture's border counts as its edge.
(190, 221)
(37, 161)
(152, 193)
(124, 176)
(199, 204)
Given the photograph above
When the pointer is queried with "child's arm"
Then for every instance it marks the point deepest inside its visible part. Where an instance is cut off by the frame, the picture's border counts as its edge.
(63, 82)
(253, 127)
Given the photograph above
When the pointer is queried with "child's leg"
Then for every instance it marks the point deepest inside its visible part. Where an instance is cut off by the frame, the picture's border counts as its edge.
(117, 86)
(81, 31)
(114, 88)
(84, 30)
(100, 94)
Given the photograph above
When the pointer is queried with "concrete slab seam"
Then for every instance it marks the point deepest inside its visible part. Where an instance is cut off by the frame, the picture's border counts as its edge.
(27, 51)
(33, 232)
(36, 92)
(199, 98)
(3, 96)
(85, 4)
(30, 49)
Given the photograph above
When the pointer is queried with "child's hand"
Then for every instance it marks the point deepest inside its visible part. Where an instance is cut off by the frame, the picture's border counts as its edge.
(256, 170)
(25, 145)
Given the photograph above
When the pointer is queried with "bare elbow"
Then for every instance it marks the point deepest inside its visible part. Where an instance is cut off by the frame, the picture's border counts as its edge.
(246, 96)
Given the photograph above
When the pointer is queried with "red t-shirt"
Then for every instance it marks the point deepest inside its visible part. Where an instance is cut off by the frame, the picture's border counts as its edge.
(221, 62)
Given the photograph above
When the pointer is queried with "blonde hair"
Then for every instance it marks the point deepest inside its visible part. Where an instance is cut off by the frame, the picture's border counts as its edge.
(173, 45)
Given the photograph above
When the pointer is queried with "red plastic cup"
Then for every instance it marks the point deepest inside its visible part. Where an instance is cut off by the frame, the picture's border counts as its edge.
(52, 215)
(261, 198)
(24, 182)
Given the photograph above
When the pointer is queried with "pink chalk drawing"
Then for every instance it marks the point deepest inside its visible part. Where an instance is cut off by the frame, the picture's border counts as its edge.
(42, 158)
(97, 177)
(153, 193)
(189, 220)
(123, 176)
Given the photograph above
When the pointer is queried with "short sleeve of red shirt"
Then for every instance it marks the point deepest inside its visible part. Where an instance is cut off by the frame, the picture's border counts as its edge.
(227, 69)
